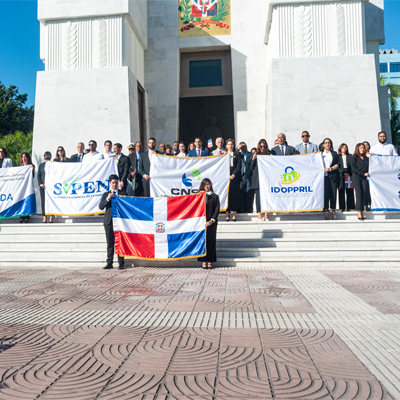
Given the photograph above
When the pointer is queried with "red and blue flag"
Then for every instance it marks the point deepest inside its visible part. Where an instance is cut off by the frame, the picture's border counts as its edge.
(348, 184)
(160, 228)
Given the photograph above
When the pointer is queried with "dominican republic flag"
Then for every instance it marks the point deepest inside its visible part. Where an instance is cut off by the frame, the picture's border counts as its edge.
(160, 228)
(348, 184)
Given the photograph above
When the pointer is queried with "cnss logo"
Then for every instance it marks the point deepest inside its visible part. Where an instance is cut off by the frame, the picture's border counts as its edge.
(288, 178)
(75, 187)
(187, 181)
(6, 197)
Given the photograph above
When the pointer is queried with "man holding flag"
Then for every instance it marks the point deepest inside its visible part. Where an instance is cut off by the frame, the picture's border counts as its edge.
(105, 203)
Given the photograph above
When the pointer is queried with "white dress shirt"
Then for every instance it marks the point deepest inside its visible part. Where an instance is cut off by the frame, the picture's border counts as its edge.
(327, 159)
(7, 163)
(110, 154)
(344, 158)
(181, 155)
(93, 157)
(384, 149)
(231, 154)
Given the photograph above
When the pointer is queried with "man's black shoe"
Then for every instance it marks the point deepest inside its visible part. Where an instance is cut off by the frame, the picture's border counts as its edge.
(121, 267)
(108, 267)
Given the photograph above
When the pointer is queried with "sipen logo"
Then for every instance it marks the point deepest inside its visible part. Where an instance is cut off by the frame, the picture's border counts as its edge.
(68, 186)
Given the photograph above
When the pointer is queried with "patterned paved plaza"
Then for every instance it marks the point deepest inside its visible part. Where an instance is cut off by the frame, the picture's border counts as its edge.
(157, 333)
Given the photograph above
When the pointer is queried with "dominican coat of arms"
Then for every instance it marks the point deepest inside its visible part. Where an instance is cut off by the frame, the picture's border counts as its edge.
(204, 18)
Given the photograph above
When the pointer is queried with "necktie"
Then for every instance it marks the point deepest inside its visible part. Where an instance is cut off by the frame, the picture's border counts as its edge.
(198, 153)
(282, 149)
(220, 152)
(305, 148)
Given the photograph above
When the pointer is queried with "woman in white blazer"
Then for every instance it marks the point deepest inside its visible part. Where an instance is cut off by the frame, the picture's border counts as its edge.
(4, 161)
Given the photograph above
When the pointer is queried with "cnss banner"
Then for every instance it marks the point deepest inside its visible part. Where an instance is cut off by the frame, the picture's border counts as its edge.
(292, 183)
(179, 176)
(384, 182)
(76, 188)
(17, 196)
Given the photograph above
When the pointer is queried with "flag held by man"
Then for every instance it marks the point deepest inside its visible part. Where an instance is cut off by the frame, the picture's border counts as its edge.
(160, 228)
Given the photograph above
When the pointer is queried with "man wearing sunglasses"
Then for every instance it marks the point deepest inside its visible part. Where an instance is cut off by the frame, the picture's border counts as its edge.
(93, 154)
(306, 147)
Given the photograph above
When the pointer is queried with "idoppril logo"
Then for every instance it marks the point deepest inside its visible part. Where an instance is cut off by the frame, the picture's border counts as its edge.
(195, 173)
(290, 176)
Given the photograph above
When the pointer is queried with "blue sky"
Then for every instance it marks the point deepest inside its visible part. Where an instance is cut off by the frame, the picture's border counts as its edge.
(19, 42)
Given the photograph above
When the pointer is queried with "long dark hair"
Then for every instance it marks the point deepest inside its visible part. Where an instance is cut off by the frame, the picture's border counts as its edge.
(28, 156)
(5, 151)
(267, 152)
(357, 150)
(186, 148)
(369, 146)
(332, 149)
(341, 147)
(203, 184)
(58, 158)
(235, 152)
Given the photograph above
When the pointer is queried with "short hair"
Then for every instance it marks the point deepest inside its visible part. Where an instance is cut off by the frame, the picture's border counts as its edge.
(306, 132)
(223, 141)
(282, 134)
(5, 151)
(382, 132)
(112, 177)
(138, 142)
(93, 142)
(152, 139)
(199, 139)
(119, 145)
(83, 144)
(243, 143)
(168, 146)
(47, 154)
(176, 142)
(108, 141)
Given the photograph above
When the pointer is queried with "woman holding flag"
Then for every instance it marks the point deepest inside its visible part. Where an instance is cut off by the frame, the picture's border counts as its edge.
(212, 211)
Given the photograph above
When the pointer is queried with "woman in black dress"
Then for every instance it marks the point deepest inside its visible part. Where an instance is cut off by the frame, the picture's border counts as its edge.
(212, 211)
(235, 178)
(262, 149)
(360, 168)
(346, 195)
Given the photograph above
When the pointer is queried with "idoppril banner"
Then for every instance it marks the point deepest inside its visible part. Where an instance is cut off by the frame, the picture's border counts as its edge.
(292, 183)
(17, 195)
(76, 188)
(179, 176)
(384, 182)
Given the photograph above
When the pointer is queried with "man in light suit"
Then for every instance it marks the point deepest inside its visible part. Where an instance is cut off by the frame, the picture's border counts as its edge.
(144, 165)
(306, 147)
(220, 147)
(199, 151)
(105, 203)
(282, 149)
(4, 161)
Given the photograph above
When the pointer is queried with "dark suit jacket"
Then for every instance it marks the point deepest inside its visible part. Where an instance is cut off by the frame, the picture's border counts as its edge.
(104, 204)
(237, 166)
(249, 157)
(334, 175)
(41, 174)
(342, 171)
(254, 170)
(67, 160)
(123, 169)
(144, 165)
(359, 167)
(74, 158)
(133, 167)
(212, 207)
(204, 153)
(276, 151)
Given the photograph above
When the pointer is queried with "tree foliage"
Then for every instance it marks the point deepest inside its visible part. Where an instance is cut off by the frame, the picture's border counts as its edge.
(14, 114)
(17, 143)
(394, 94)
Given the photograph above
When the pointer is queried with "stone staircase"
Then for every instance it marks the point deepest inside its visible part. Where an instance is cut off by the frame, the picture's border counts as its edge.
(295, 239)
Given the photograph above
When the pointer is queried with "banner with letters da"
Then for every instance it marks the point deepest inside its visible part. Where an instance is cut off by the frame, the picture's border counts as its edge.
(179, 176)
(384, 182)
(291, 183)
(17, 195)
(76, 188)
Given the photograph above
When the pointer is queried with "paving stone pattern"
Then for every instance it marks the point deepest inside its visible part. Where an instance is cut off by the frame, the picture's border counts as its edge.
(158, 333)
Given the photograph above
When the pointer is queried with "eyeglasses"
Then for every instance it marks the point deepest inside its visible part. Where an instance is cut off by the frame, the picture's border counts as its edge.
(305, 135)
(1, 151)
(91, 144)
(60, 150)
(263, 147)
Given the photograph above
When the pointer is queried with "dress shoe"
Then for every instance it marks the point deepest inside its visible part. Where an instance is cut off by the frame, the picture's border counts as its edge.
(121, 267)
(108, 267)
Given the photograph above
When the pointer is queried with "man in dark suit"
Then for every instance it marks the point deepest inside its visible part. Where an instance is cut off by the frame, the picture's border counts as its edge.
(123, 167)
(282, 149)
(134, 158)
(144, 165)
(199, 151)
(105, 203)
(79, 156)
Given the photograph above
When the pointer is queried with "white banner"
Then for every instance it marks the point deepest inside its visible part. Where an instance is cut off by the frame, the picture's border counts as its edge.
(17, 195)
(291, 183)
(178, 176)
(384, 182)
(76, 188)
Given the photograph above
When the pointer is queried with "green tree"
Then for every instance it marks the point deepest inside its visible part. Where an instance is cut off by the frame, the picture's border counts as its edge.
(394, 94)
(14, 115)
(16, 144)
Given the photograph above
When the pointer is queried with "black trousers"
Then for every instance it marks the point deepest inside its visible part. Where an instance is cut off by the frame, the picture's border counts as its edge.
(258, 200)
(211, 244)
(42, 199)
(346, 199)
(111, 246)
(361, 187)
(246, 199)
(234, 195)
(330, 190)
(146, 188)
(139, 186)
